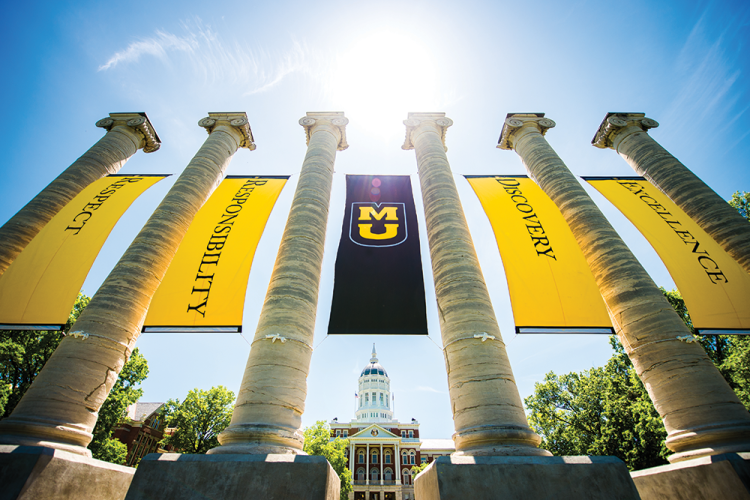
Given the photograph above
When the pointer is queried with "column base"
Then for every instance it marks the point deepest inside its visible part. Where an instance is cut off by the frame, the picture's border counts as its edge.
(559, 478)
(172, 476)
(725, 477)
(39, 473)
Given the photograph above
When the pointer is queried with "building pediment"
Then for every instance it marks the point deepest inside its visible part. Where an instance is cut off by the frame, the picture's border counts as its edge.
(374, 431)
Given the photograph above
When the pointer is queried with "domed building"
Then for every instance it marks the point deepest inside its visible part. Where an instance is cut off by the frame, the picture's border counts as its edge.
(383, 450)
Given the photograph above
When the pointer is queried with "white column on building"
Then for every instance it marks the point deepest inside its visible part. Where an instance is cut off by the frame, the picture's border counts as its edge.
(381, 463)
(367, 465)
(351, 458)
(398, 464)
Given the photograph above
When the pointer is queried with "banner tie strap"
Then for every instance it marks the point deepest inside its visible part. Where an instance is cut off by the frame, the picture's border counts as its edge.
(274, 337)
(482, 335)
(78, 334)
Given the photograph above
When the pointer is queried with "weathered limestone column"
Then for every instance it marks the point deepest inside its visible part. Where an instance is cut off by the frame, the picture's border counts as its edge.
(271, 400)
(126, 134)
(701, 413)
(60, 408)
(627, 134)
(487, 411)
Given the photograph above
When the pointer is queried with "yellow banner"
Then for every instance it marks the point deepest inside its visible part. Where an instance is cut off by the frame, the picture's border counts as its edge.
(715, 288)
(204, 288)
(551, 286)
(39, 288)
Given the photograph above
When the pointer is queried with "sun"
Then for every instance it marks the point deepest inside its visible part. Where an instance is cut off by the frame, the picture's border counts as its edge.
(381, 77)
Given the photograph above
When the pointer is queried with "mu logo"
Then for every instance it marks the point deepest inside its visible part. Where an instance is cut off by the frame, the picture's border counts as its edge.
(378, 224)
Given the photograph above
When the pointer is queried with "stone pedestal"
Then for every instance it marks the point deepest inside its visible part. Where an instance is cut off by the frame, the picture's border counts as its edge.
(39, 473)
(558, 478)
(725, 477)
(172, 476)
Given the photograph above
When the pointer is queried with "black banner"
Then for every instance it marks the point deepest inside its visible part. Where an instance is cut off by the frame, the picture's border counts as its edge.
(378, 286)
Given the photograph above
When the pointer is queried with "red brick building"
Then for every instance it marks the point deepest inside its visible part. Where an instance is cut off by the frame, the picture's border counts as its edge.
(383, 450)
(141, 431)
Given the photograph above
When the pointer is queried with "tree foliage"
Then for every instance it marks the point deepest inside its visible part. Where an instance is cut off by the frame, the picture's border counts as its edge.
(602, 411)
(607, 411)
(199, 419)
(318, 442)
(417, 469)
(741, 201)
(730, 353)
(24, 353)
(124, 393)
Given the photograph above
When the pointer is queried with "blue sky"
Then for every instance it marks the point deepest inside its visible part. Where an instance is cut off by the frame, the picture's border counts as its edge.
(67, 64)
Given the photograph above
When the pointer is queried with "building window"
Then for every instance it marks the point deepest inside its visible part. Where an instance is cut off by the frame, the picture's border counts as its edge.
(374, 457)
(424, 460)
(346, 433)
(381, 398)
(387, 457)
(403, 434)
(367, 397)
(373, 398)
(405, 476)
(387, 474)
(338, 433)
(386, 402)
(412, 455)
(361, 458)
(361, 474)
(374, 474)
(411, 434)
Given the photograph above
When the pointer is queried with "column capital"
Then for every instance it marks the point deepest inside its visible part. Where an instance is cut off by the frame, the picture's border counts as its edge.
(519, 124)
(616, 126)
(335, 120)
(438, 120)
(138, 122)
(237, 120)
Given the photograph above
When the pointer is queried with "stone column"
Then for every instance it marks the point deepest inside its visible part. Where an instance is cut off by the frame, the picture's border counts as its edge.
(126, 133)
(271, 400)
(60, 408)
(367, 466)
(381, 463)
(627, 134)
(487, 410)
(701, 413)
(398, 464)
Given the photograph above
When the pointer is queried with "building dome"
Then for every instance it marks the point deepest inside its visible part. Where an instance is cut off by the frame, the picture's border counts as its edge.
(374, 393)
(374, 368)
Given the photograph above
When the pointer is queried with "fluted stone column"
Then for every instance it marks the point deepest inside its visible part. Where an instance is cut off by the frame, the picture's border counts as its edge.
(271, 400)
(60, 408)
(126, 134)
(487, 411)
(627, 133)
(701, 413)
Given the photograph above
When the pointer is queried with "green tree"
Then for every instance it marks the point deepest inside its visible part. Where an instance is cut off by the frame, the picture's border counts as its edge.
(199, 419)
(124, 393)
(318, 442)
(730, 353)
(741, 201)
(417, 469)
(23, 353)
(602, 411)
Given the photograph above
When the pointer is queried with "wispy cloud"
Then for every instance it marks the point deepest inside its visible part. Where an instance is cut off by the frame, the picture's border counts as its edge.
(215, 59)
(156, 46)
(428, 389)
(709, 78)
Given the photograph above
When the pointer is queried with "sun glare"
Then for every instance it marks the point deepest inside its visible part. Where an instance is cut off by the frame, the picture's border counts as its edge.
(381, 77)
